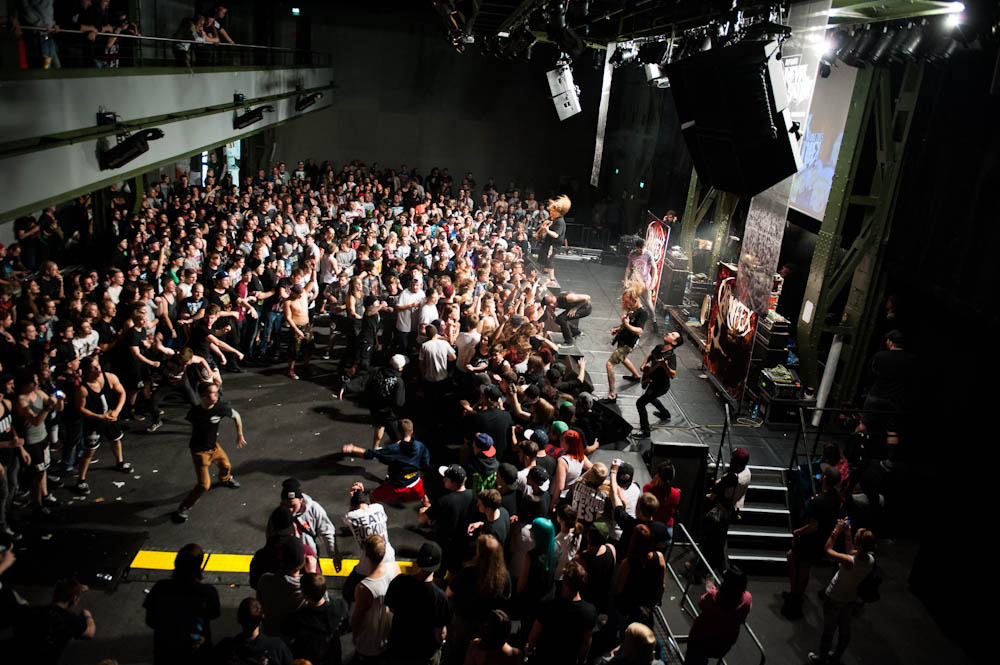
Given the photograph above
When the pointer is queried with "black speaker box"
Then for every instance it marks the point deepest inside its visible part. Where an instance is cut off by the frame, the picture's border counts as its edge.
(690, 462)
(732, 106)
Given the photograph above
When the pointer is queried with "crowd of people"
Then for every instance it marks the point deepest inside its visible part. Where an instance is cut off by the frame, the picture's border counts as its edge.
(441, 327)
(97, 33)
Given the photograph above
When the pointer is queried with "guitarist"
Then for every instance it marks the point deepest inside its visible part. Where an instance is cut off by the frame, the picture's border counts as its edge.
(657, 370)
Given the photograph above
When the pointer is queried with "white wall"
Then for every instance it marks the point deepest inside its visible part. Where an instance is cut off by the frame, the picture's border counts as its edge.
(33, 177)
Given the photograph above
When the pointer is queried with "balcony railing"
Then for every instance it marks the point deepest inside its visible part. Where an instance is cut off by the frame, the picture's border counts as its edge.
(35, 48)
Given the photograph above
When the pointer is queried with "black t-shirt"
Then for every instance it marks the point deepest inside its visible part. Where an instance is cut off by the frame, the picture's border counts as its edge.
(893, 372)
(261, 649)
(418, 609)
(636, 318)
(313, 633)
(659, 378)
(499, 528)
(180, 614)
(191, 306)
(627, 523)
(199, 340)
(225, 300)
(205, 425)
(451, 513)
(558, 226)
(41, 633)
(495, 422)
(564, 624)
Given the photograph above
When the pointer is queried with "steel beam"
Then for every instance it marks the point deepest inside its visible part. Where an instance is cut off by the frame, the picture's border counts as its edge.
(854, 275)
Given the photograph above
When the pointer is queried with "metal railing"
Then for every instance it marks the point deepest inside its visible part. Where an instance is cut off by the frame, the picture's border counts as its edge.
(688, 605)
(727, 427)
(76, 49)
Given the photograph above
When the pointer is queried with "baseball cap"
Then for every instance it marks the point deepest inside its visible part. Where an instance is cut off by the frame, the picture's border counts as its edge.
(280, 521)
(559, 427)
(484, 442)
(398, 361)
(454, 472)
(538, 436)
(220, 274)
(585, 401)
(539, 476)
(491, 392)
(291, 488)
(626, 472)
(741, 455)
(508, 472)
(429, 557)
(532, 391)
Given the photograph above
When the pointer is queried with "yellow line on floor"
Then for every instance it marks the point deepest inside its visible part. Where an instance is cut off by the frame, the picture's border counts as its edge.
(235, 563)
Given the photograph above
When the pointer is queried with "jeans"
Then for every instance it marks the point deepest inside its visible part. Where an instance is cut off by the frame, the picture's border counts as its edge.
(72, 432)
(568, 324)
(652, 396)
(10, 461)
(269, 333)
(202, 461)
(836, 619)
(49, 49)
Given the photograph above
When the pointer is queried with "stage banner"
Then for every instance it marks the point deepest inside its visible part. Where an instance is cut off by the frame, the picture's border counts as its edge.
(765, 227)
(731, 329)
(657, 241)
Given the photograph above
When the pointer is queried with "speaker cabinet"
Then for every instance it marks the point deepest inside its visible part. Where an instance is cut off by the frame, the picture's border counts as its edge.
(733, 111)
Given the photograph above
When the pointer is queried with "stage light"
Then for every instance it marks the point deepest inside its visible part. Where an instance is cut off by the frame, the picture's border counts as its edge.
(653, 53)
(128, 148)
(883, 48)
(642, 185)
(954, 20)
(250, 117)
(855, 53)
(943, 52)
(296, 11)
(522, 41)
(624, 54)
(305, 101)
(909, 44)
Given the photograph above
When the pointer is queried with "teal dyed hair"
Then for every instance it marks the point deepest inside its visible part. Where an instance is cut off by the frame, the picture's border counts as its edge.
(544, 534)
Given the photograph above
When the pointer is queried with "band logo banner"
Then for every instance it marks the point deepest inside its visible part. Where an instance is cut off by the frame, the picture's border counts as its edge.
(657, 241)
(731, 329)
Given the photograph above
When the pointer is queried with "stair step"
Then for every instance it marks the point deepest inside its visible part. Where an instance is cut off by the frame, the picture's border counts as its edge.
(763, 514)
(767, 538)
(760, 531)
(769, 494)
(757, 556)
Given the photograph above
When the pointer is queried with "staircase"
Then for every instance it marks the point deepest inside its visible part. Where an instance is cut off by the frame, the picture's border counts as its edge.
(762, 534)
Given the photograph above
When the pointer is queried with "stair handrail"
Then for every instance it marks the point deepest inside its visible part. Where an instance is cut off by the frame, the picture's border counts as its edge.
(671, 638)
(726, 439)
(685, 598)
(801, 434)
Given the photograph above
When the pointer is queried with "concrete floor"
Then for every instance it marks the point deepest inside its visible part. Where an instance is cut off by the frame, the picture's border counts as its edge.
(296, 428)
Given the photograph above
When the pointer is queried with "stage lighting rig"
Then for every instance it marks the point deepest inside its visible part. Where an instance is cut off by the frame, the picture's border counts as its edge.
(625, 54)
(559, 32)
(250, 117)
(303, 101)
(128, 147)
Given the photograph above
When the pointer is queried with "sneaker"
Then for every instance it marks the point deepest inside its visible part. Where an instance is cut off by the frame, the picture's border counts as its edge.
(326, 355)
(155, 425)
(55, 481)
(642, 434)
(181, 515)
(633, 379)
(10, 533)
(293, 376)
(50, 500)
(124, 467)
(138, 417)
(663, 415)
(816, 658)
(232, 483)
(40, 511)
(82, 487)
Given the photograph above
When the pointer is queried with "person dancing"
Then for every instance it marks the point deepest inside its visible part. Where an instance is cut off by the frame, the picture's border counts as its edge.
(626, 336)
(551, 233)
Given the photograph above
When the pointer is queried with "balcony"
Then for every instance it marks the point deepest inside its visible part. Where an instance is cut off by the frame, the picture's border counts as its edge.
(56, 125)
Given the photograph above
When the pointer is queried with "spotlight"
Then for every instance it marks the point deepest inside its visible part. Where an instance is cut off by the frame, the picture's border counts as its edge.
(128, 148)
(624, 54)
(914, 43)
(522, 42)
(653, 53)
(954, 20)
(883, 48)
(559, 32)
(855, 53)
(250, 117)
(305, 101)
(943, 52)
(834, 43)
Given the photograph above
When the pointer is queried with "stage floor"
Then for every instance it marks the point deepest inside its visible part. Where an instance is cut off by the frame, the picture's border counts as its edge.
(296, 428)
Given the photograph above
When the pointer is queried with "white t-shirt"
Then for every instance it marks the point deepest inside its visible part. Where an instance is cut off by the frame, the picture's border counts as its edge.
(434, 355)
(428, 314)
(466, 345)
(740, 492)
(522, 542)
(843, 587)
(366, 521)
(404, 317)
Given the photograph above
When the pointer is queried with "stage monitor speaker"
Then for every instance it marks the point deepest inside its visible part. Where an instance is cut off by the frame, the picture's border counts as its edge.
(565, 95)
(733, 111)
(690, 462)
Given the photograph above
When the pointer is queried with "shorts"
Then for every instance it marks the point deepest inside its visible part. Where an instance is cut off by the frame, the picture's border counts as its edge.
(40, 458)
(298, 344)
(387, 492)
(620, 354)
(545, 253)
(111, 431)
(880, 421)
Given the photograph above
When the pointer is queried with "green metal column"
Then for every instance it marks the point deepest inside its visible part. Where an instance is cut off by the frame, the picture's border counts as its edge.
(722, 204)
(845, 286)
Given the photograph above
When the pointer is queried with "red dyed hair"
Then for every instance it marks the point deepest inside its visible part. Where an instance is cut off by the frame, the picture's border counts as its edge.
(574, 444)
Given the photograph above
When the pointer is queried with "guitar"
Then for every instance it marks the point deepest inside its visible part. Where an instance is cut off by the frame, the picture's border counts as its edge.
(543, 230)
(650, 368)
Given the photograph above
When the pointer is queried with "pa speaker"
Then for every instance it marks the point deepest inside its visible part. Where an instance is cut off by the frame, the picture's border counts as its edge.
(565, 95)
(733, 111)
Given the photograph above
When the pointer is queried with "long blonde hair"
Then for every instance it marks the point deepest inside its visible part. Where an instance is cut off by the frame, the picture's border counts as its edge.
(491, 571)
(559, 206)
